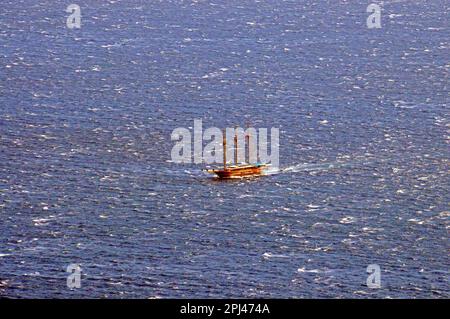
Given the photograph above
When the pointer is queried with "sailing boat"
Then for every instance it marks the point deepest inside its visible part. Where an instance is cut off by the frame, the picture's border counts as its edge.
(237, 170)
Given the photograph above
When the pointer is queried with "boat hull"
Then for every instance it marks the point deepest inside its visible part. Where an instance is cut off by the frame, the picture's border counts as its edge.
(239, 171)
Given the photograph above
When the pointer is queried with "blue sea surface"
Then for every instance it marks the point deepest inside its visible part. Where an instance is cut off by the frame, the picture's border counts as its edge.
(86, 175)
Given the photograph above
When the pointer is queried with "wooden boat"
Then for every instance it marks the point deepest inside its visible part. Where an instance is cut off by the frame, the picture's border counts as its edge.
(237, 170)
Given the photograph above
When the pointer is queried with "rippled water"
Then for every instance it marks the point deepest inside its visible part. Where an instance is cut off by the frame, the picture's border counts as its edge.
(85, 171)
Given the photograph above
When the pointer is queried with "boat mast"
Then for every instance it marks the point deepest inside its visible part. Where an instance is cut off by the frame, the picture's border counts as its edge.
(247, 142)
(224, 149)
(235, 147)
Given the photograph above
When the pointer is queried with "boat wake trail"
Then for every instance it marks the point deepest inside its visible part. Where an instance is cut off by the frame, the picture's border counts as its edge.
(296, 168)
(308, 167)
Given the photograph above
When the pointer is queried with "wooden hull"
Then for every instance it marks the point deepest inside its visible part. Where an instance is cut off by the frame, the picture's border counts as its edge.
(239, 171)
